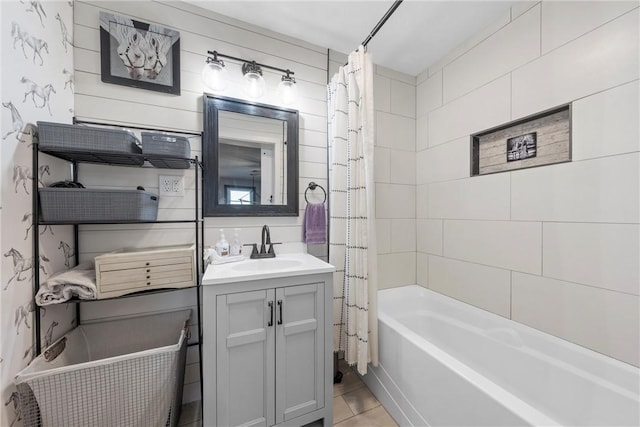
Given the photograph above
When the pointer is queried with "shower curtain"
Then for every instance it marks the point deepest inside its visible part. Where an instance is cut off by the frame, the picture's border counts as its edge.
(352, 211)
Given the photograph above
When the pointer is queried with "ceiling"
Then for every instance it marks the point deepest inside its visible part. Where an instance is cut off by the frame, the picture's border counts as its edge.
(418, 34)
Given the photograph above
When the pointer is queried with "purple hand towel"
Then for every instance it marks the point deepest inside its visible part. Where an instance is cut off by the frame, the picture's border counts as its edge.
(314, 228)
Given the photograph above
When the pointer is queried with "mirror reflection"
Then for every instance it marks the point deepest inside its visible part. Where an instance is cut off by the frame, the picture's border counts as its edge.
(252, 160)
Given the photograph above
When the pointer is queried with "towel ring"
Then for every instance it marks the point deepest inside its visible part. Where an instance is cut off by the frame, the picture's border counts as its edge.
(312, 186)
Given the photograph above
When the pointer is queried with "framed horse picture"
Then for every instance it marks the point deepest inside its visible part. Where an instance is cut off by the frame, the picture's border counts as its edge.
(137, 54)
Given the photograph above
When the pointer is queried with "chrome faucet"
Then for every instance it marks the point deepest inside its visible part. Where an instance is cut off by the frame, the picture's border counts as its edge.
(266, 240)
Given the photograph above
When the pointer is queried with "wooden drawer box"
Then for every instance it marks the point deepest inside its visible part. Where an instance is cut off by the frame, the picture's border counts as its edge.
(134, 270)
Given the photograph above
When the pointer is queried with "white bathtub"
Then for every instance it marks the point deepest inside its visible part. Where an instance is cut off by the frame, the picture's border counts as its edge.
(443, 362)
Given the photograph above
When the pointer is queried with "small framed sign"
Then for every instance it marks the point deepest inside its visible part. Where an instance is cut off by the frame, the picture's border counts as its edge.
(137, 54)
(521, 147)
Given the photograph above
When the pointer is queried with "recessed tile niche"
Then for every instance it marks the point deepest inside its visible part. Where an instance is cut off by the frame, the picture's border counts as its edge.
(537, 140)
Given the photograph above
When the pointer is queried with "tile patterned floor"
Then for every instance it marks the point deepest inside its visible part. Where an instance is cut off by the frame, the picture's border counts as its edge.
(353, 405)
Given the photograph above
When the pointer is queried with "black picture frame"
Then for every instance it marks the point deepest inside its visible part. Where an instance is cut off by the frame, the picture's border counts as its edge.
(210, 155)
(522, 147)
(123, 41)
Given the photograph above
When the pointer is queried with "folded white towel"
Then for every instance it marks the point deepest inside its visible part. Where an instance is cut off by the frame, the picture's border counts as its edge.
(80, 281)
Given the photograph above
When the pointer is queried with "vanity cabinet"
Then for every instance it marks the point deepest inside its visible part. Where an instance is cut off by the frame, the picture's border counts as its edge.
(268, 352)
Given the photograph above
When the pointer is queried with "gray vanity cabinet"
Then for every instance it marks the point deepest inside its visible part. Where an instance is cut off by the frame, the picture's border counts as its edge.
(272, 348)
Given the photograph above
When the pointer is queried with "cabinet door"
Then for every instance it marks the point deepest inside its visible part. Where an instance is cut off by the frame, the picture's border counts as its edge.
(245, 359)
(299, 350)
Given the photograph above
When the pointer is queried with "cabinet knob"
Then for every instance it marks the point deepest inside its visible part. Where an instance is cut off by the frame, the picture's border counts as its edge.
(148, 277)
(147, 263)
(148, 283)
(148, 270)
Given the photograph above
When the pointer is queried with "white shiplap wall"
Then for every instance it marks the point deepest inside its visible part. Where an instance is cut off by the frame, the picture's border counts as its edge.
(554, 247)
(200, 30)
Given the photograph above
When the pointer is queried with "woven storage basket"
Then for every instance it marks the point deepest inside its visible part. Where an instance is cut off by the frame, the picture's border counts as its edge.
(97, 142)
(83, 205)
(125, 372)
(166, 151)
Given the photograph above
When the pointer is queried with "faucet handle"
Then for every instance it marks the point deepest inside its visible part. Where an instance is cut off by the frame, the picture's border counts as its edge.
(254, 250)
(271, 247)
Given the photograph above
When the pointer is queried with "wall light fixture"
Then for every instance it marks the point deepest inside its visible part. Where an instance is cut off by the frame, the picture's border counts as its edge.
(215, 77)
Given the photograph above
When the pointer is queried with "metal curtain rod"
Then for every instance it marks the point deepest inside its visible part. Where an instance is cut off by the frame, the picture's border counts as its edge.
(382, 21)
(216, 54)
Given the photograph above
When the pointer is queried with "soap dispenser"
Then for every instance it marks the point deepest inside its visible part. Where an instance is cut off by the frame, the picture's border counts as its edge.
(222, 246)
(236, 245)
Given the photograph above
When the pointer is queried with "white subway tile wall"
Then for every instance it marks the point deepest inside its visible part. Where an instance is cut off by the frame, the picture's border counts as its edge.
(515, 44)
(607, 123)
(579, 68)
(476, 284)
(602, 320)
(555, 247)
(395, 176)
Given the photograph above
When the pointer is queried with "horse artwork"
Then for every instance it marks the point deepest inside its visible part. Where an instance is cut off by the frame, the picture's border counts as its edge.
(22, 265)
(36, 6)
(17, 125)
(48, 336)
(69, 253)
(159, 43)
(137, 54)
(69, 79)
(15, 400)
(33, 42)
(21, 175)
(37, 45)
(66, 38)
(28, 218)
(22, 315)
(41, 92)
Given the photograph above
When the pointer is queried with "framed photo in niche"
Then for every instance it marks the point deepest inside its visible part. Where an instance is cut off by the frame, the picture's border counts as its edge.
(538, 140)
(521, 147)
(138, 54)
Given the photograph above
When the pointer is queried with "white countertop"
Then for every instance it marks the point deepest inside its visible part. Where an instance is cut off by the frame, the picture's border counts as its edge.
(285, 265)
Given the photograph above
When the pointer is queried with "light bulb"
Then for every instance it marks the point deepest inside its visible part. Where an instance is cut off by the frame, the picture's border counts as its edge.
(253, 81)
(287, 90)
(214, 74)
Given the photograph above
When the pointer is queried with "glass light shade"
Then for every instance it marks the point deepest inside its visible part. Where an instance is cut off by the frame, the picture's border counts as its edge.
(254, 85)
(288, 90)
(215, 75)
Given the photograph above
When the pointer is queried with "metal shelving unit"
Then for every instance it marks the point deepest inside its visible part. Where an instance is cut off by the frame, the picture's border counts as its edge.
(130, 160)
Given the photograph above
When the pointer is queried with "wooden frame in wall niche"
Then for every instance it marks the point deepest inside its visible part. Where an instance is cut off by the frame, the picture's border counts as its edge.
(138, 54)
(537, 140)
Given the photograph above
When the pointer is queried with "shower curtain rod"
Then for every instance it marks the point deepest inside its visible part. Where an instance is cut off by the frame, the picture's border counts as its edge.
(382, 21)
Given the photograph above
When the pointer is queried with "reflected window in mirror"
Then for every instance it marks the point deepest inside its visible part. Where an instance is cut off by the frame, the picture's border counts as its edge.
(250, 155)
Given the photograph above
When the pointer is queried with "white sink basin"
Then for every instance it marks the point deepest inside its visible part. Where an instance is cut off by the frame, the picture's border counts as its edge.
(266, 264)
(284, 265)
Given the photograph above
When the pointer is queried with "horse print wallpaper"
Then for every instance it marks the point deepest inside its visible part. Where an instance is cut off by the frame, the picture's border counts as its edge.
(37, 84)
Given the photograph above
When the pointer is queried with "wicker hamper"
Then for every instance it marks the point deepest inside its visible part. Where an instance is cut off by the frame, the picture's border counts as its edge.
(104, 144)
(125, 372)
(84, 205)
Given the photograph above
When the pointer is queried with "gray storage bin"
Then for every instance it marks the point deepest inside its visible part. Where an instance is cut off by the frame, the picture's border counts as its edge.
(83, 205)
(113, 146)
(166, 151)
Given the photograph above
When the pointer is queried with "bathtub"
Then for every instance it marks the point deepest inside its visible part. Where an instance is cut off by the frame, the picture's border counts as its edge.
(443, 362)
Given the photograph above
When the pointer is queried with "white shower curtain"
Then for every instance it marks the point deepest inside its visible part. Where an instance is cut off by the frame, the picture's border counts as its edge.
(352, 211)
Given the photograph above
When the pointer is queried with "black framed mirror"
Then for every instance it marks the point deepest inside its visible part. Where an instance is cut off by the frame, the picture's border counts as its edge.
(250, 156)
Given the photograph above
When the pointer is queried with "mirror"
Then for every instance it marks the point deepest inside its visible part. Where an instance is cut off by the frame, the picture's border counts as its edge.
(250, 155)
